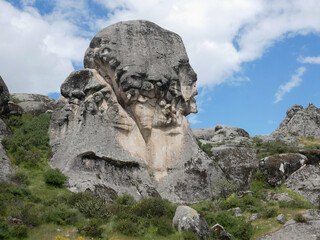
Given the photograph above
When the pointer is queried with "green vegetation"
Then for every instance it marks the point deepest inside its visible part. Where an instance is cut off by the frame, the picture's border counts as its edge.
(299, 218)
(272, 148)
(38, 199)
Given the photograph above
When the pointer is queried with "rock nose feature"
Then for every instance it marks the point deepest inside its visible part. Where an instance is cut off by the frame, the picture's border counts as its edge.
(130, 105)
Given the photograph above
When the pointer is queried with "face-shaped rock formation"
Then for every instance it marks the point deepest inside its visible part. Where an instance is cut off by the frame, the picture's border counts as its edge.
(121, 124)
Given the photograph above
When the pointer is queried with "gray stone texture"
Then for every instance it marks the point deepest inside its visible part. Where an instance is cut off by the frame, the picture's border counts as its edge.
(120, 125)
(188, 219)
(293, 230)
(306, 181)
(4, 97)
(239, 163)
(301, 122)
(33, 104)
(279, 167)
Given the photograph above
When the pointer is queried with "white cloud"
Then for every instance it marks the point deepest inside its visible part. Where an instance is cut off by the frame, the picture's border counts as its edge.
(294, 82)
(37, 51)
(312, 60)
(36, 54)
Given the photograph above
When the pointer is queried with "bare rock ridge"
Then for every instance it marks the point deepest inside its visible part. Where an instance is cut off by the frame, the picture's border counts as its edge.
(120, 124)
(304, 122)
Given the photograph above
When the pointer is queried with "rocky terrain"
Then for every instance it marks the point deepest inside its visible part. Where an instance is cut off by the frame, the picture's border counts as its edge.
(124, 154)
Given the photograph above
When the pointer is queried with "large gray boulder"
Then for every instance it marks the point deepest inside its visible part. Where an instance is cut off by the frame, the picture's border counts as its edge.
(120, 125)
(279, 167)
(293, 230)
(188, 219)
(306, 181)
(239, 163)
(4, 97)
(33, 104)
(301, 122)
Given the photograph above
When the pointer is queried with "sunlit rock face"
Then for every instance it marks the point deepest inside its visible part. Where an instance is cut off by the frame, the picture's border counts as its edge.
(120, 124)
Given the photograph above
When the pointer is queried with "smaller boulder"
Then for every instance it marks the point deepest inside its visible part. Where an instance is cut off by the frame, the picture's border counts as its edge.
(278, 167)
(221, 232)
(281, 219)
(254, 217)
(188, 219)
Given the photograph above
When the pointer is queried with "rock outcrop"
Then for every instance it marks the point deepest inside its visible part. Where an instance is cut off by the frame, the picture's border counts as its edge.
(120, 124)
(306, 181)
(188, 219)
(239, 163)
(223, 134)
(33, 104)
(279, 167)
(4, 97)
(293, 230)
(301, 121)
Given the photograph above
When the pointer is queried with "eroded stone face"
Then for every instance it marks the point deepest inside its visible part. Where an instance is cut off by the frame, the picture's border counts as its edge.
(129, 106)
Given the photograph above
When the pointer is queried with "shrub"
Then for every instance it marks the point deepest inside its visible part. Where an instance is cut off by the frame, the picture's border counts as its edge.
(19, 231)
(54, 177)
(187, 235)
(268, 212)
(31, 214)
(274, 147)
(91, 205)
(61, 215)
(299, 218)
(91, 229)
(4, 229)
(224, 188)
(128, 227)
(164, 226)
(20, 177)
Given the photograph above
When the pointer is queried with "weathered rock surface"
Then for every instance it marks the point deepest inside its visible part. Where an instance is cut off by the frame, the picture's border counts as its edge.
(293, 230)
(278, 167)
(301, 122)
(284, 197)
(33, 104)
(188, 219)
(120, 124)
(4, 97)
(281, 218)
(306, 181)
(6, 169)
(223, 134)
(239, 163)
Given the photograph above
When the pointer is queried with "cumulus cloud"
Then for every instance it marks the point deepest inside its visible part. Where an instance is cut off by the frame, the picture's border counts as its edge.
(312, 60)
(193, 119)
(36, 54)
(294, 82)
(219, 35)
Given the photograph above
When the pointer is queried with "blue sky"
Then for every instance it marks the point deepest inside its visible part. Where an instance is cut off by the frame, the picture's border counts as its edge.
(254, 58)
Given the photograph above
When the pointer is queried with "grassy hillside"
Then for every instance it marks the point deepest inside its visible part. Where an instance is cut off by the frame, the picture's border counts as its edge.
(37, 206)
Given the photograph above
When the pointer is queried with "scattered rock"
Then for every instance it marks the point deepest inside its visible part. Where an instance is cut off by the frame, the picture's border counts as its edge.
(278, 167)
(254, 217)
(221, 232)
(58, 230)
(306, 181)
(33, 104)
(281, 219)
(293, 230)
(121, 125)
(188, 219)
(236, 211)
(239, 163)
(14, 221)
(278, 197)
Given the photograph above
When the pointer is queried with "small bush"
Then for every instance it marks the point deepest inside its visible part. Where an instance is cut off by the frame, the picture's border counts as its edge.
(61, 215)
(206, 147)
(164, 226)
(187, 235)
(31, 214)
(4, 229)
(54, 177)
(19, 231)
(268, 212)
(128, 227)
(91, 229)
(20, 178)
(299, 218)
